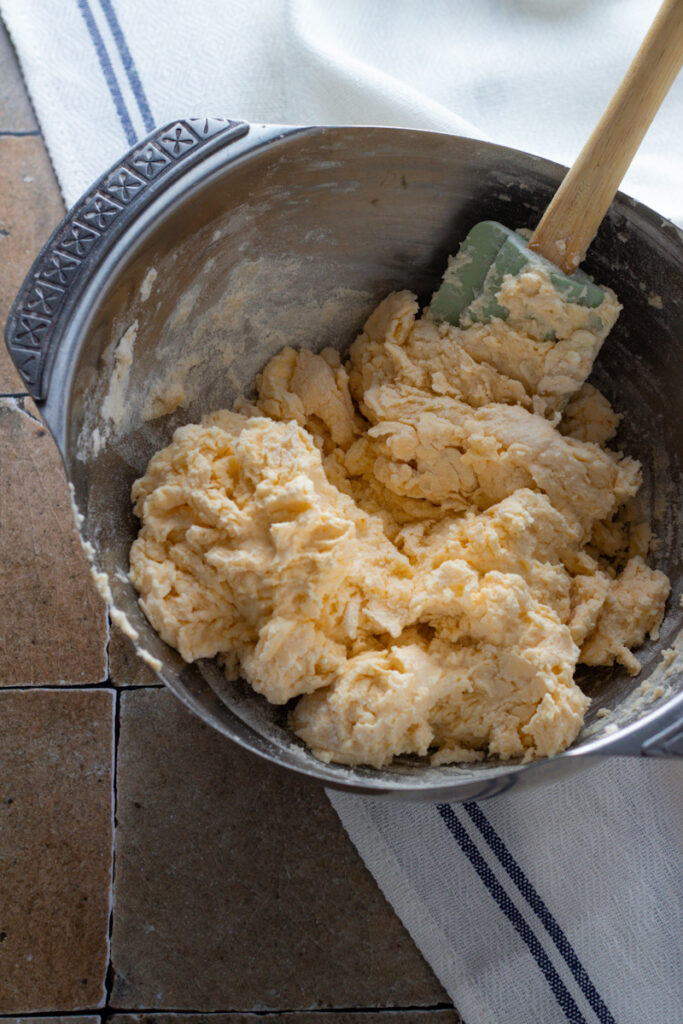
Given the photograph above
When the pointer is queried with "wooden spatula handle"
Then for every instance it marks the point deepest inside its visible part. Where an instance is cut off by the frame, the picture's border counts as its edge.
(573, 217)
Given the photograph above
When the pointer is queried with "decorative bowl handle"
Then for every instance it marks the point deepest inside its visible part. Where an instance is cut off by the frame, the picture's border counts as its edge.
(91, 226)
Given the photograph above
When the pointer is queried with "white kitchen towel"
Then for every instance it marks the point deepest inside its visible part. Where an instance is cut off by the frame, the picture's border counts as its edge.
(533, 74)
(542, 905)
(561, 903)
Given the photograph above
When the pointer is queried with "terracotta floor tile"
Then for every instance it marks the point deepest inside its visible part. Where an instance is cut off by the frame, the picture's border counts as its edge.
(53, 626)
(30, 208)
(235, 884)
(71, 1019)
(16, 112)
(436, 1016)
(125, 667)
(56, 755)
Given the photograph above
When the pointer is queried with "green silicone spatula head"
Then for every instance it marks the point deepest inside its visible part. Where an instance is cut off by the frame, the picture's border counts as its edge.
(470, 288)
(471, 285)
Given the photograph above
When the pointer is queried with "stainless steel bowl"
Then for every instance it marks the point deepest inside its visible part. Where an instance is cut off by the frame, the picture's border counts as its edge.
(217, 243)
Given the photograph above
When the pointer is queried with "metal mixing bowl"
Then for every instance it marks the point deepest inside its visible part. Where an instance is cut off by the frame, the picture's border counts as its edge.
(220, 242)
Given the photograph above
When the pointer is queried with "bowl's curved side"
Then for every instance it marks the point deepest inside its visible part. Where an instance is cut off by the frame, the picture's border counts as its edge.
(293, 241)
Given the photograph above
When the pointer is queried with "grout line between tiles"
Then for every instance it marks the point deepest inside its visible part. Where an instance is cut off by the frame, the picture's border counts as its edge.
(56, 1014)
(156, 1011)
(109, 974)
(19, 399)
(65, 687)
(5, 134)
(108, 1012)
(107, 677)
(27, 412)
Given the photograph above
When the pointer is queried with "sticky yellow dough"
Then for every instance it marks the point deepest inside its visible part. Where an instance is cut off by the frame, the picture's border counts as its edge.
(413, 544)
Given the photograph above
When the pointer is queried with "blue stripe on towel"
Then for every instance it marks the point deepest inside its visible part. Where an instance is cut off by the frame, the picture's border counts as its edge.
(557, 986)
(128, 64)
(540, 909)
(108, 72)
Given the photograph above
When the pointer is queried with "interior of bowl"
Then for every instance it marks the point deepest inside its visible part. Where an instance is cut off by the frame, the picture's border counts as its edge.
(294, 243)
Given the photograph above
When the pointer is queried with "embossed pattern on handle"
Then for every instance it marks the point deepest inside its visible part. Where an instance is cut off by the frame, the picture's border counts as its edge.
(65, 261)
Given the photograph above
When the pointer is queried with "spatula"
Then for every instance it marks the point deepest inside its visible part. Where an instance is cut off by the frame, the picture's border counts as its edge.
(470, 286)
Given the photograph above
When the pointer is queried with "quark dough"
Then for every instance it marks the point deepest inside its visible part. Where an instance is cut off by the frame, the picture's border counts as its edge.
(419, 545)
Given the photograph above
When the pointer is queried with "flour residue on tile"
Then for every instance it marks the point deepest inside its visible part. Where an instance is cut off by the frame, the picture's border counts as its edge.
(103, 587)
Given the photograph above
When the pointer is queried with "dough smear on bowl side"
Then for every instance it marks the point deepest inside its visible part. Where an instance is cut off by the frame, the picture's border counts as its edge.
(419, 544)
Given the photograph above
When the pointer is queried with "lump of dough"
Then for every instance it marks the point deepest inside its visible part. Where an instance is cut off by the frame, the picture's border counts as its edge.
(412, 550)
(311, 389)
(588, 416)
(633, 608)
(246, 546)
(377, 708)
